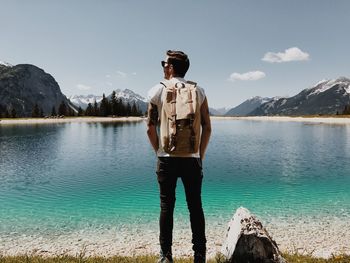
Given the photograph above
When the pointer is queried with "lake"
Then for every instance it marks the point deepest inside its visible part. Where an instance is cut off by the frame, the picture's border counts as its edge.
(59, 181)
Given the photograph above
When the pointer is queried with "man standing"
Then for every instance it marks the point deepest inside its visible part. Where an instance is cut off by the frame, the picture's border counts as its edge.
(180, 108)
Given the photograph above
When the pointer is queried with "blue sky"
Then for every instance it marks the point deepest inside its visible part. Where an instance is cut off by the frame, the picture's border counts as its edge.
(237, 49)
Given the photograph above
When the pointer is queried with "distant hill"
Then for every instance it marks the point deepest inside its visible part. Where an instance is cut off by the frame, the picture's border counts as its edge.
(326, 97)
(24, 85)
(247, 106)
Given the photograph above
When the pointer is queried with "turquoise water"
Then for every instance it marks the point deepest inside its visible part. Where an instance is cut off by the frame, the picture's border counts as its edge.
(56, 178)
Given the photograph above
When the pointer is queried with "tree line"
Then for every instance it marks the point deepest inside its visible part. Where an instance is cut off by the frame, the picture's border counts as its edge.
(107, 107)
(113, 106)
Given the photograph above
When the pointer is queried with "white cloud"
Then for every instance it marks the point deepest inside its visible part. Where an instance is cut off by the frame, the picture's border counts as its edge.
(251, 75)
(290, 54)
(134, 73)
(109, 83)
(121, 74)
(83, 87)
(108, 76)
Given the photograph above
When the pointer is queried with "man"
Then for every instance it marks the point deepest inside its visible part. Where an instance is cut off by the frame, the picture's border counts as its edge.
(180, 108)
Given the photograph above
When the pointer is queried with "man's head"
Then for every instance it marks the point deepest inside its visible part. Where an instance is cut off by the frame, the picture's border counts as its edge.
(176, 64)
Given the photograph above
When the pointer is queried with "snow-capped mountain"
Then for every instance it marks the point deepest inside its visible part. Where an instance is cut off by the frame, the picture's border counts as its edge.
(126, 96)
(247, 106)
(217, 112)
(83, 100)
(3, 63)
(325, 97)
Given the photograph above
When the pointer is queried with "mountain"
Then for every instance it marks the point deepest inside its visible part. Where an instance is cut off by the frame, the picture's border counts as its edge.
(217, 112)
(247, 106)
(83, 100)
(24, 85)
(126, 96)
(3, 63)
(325, 97)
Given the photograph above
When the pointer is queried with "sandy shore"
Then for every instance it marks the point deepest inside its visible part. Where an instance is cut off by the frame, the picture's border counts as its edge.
(67, 120)
(314, 120)
(320, 120)
(320, 237)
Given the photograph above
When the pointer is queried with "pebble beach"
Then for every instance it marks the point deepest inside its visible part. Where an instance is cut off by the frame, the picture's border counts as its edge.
(318, 238)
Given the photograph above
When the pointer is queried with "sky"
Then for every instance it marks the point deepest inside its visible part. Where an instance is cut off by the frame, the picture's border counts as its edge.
(237, 49)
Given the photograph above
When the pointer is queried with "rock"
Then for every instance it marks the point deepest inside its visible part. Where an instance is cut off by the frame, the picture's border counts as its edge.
(248, 241)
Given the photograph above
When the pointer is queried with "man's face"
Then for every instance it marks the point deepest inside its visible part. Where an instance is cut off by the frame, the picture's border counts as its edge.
(167, 69)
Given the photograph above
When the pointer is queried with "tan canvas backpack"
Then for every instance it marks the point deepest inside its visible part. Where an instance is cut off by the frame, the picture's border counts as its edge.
(180, 118)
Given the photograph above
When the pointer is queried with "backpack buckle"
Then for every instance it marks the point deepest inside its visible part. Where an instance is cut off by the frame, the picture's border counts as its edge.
(182, 85)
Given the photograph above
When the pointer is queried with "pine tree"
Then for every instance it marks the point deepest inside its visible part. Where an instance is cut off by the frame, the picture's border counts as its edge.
(114, 104)
(62, 109)
(7, 114)
(128, 109)
(41, 113)
(89, 110)
(104, 106)
(71, 112)
(80, 111)
(346, 110)
(133, 109)
(139, 111)
(53, 111)
(120, 108)
(36, 111)
(13, 113)
(2, 111)
(96, 109)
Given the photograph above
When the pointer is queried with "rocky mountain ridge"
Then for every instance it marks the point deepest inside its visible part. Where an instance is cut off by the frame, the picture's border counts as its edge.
(24, 85)
(325, 97)
(247, 106)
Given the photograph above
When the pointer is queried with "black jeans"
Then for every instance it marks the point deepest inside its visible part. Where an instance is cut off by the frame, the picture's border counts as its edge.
(190, 172)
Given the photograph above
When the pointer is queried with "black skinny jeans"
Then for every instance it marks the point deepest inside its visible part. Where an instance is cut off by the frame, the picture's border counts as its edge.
(190, 172)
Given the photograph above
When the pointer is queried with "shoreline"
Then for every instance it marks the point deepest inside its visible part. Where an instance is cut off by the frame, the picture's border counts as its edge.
(306, 119)
(30, 121)
(308, 236)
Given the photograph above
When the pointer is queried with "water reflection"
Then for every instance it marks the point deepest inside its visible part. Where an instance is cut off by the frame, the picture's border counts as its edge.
(70, 175)
(24, 147)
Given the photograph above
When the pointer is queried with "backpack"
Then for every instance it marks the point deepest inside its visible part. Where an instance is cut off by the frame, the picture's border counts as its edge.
(180, 118)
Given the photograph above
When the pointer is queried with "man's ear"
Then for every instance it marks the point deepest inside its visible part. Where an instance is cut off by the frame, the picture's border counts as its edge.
(171, 70)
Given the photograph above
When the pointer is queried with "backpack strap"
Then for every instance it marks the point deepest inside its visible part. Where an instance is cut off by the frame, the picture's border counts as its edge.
(192, 114)
(172, 141)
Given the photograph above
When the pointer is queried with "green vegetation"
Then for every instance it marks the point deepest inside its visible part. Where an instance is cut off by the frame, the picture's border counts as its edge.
(291, 258)
(114, 106)
(107, 107)
(346, 110)
(295, 258)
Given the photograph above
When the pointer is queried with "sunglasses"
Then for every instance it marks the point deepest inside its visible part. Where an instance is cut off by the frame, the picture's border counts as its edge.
(164, 63)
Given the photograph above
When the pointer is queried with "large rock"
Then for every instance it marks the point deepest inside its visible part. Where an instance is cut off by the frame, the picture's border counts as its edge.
(248, 241)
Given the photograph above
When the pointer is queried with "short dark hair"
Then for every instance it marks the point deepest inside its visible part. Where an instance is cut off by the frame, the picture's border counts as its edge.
(180, 62)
